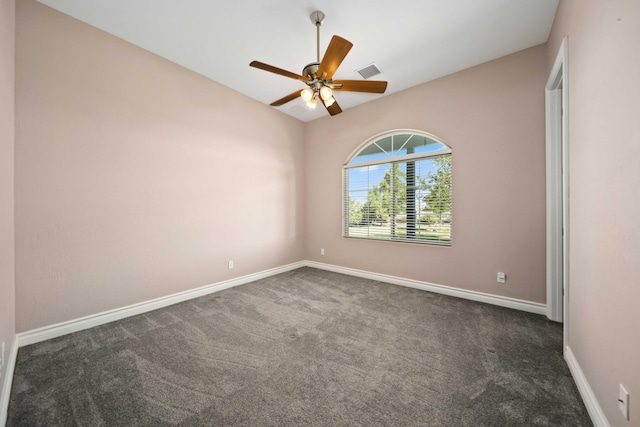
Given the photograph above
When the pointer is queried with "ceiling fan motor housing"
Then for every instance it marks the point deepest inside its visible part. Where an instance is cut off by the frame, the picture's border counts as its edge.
(311, 70)
(315, 82)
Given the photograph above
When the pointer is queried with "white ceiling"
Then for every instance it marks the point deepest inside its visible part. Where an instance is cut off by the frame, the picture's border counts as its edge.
(411, 41)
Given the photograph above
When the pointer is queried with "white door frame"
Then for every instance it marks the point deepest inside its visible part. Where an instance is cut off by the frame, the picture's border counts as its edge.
(557, 166)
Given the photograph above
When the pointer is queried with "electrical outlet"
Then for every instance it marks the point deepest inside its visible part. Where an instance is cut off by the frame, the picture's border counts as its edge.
(502, 277)
(623, 402)
(321, 251)
(230, 265)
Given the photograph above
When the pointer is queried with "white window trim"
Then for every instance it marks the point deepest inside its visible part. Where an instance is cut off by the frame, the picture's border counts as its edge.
(394, 132)
(347, 165)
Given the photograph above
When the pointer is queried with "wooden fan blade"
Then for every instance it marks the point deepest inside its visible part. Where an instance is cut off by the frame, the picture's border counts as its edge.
(276, 70)
(333, 57)
(373, 86)
(333, 109)
(286, 99)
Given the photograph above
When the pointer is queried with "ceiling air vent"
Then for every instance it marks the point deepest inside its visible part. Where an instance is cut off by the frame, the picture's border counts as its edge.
(369, 71)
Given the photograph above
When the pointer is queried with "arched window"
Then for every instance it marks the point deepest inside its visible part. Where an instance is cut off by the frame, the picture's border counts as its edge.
(397, 186)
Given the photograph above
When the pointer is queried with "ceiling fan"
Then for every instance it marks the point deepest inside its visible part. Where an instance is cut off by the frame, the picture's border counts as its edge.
(318, 76)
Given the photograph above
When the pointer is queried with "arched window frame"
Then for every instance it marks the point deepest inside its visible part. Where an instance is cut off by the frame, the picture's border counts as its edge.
(416, 229)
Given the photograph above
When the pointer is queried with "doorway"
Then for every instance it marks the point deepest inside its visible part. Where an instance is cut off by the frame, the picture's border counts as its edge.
(557, 174)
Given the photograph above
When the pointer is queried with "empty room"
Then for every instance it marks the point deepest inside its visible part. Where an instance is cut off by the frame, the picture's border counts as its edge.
(320, 213)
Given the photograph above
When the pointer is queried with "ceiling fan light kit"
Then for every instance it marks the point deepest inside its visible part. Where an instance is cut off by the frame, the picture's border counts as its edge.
(306, 94)
(318, 76)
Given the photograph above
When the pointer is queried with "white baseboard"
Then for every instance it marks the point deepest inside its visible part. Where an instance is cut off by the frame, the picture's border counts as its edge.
(7, 382)
(593, 407)
(528, 306)
(63, 328)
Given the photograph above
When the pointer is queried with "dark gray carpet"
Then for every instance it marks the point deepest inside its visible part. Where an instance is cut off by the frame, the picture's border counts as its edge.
(308, 347)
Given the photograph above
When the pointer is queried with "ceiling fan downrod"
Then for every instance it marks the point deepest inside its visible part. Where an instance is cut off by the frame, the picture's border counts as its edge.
(310, 70)
(317, 18)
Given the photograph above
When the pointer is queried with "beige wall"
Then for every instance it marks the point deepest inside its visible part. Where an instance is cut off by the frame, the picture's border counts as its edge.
(126, 166)
(7, 276)
(492, 116)
(604, 220)
(136, 178)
